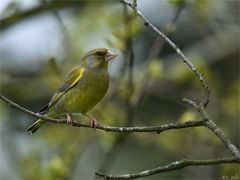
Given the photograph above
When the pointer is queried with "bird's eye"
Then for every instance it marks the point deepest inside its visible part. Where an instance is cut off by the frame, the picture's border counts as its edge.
(99, 53)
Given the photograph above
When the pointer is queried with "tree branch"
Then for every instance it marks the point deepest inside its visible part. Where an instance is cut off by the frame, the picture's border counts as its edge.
(176, 48)
(129, 109)
(217, 131)
(154, 52)
(213, 127)
(199, 107)
(171, 167)
(156, 129)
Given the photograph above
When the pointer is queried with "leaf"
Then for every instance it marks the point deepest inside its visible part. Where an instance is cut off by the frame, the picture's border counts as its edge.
(188, 115)
(57, 169)
(155, 69)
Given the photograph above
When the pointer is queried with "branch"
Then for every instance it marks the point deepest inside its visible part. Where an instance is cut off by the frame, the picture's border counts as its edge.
(157, 129)
(199, 107)
(154, 52)
(214, 128)
(171, 167)
(176, 48)
(206, 121)
(129, 109)
(134, 3)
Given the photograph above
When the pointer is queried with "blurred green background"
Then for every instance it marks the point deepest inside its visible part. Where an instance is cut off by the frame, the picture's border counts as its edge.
(41, 40)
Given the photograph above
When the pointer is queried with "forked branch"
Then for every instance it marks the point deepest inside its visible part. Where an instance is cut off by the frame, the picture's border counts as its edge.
(176, 48)
(199, 107)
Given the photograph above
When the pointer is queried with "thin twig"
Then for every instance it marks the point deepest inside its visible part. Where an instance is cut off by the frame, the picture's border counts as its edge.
(171, 167)
(168, 29)
(199, 107)
(208, 122)
(154, 52)
(176, 48)
(156, 129)
(129, 56)
(218, 132)
(134, 3)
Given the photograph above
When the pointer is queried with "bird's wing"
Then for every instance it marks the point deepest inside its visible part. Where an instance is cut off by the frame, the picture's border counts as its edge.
(70, 81)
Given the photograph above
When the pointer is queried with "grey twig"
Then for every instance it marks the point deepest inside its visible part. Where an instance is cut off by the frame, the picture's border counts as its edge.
(134, 3)
(129, 109)
(154, 52)
(176, 48)
(171, 167)
(206, 120)
(156, 129)
(209, 123)
(199, 107)
(218, 132)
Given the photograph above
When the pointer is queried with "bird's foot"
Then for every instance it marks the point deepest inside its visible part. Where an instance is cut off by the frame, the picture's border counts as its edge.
(93, 124)
(69, 119)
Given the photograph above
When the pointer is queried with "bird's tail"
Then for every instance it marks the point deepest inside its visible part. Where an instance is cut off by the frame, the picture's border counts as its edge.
(33, 128)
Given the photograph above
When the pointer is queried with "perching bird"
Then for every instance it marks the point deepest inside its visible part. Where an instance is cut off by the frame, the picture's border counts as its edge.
(81, 90)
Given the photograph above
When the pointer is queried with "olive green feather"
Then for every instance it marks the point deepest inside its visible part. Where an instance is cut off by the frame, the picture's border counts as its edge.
(81, 90)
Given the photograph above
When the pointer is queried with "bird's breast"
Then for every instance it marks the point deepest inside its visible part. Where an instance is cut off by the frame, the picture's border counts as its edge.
(90, 89)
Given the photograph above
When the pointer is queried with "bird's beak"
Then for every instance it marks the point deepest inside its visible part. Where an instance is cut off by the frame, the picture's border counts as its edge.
(110, 55)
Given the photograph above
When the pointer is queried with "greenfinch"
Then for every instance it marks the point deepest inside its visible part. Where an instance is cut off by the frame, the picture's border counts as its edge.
(81, 90)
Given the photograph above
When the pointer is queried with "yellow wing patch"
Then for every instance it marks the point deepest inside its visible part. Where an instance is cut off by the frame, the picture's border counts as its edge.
(70, 81)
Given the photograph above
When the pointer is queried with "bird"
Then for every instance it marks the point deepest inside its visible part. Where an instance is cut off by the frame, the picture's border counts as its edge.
(81, 90)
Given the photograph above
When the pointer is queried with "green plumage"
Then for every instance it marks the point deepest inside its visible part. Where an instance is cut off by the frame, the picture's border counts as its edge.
(82, 89)
(89, 90)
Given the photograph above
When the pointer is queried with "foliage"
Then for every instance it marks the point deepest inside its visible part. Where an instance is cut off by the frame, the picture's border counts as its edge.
(56, 151)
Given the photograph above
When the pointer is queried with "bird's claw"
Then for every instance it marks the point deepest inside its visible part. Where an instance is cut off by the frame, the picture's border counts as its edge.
(69, 119)
(94, 124)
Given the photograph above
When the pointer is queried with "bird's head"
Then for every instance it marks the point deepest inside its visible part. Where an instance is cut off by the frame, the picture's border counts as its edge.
(98, 58)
